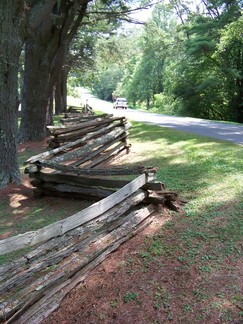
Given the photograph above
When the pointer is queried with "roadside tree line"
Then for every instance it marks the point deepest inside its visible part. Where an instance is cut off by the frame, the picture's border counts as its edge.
(40, 41)
(188, 61)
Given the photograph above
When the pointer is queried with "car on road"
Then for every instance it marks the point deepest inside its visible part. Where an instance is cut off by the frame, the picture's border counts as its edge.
(120, 103)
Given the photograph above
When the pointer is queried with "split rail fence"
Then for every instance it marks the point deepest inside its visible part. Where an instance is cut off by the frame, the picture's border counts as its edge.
(60, 255)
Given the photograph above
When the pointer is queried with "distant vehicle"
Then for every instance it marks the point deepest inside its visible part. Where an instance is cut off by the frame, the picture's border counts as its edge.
(120, 103)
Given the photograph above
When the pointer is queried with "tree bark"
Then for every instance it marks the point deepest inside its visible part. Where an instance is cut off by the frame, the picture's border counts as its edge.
(46, 50)
(61, 93)
(11, 20)
(35, 99)
(50, 107)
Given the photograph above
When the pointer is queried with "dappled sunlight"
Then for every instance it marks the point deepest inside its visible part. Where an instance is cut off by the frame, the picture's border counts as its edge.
(20, 211)
(15, 200)
(226, 191)
(177, 161)
(223, 190)
(178, 256)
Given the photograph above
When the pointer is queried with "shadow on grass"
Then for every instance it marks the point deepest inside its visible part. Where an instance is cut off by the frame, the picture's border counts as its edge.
(21, 211)
(187, 162)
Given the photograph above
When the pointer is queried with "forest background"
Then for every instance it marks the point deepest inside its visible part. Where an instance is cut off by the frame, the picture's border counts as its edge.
(187, 60)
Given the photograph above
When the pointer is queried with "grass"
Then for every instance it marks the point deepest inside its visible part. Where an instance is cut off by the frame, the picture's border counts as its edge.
(206, 236)
(208, 173)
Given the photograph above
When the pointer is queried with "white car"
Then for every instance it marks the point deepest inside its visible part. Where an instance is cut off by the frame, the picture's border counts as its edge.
(120, 103)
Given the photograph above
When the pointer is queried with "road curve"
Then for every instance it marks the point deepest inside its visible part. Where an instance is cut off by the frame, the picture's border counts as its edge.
(223, 131)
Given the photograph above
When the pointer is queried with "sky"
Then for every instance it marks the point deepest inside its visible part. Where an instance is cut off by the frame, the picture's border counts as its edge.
(145, 14)
(142, 15)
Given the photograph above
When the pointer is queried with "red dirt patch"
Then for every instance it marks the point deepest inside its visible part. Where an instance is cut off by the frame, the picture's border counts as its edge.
(129, 287)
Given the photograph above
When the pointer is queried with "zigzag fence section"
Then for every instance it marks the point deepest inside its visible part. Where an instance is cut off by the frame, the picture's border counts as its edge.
(60, 255)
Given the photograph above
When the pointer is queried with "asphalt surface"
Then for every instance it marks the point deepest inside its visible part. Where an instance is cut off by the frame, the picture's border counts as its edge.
(223, 131)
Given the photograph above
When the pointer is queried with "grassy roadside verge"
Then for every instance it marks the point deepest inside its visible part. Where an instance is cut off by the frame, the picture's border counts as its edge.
(188, 267)
(204, 243)
(209, 174)
(201, 248)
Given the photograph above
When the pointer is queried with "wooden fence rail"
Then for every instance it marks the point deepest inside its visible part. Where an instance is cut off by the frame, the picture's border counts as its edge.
(61, 254)
(60, 227)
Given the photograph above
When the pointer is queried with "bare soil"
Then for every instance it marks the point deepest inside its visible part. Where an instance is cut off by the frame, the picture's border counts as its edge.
(128, 288)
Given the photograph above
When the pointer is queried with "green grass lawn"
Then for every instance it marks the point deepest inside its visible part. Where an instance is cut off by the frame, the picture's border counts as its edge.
(206, 172)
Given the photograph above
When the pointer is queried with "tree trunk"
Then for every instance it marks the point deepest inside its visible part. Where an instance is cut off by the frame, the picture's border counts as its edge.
(35, 94)
(11, 16)
(58, 98)
(64, 90)
(49, 112)
(147, 102)
(45, 56)
(61, 93)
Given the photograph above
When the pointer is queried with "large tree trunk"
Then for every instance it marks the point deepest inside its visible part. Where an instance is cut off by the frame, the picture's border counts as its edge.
(35, 93)
(11, 17)
(45, 54)
(61, 93)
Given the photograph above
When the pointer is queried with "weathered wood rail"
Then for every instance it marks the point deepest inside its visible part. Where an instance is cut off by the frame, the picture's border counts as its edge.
(72, 118)
(61, 227)
(86, 109)
(88, 128)
(60, 255)
(33, 285)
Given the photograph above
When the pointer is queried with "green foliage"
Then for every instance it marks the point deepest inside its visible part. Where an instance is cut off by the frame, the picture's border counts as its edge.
(206, 82)
(107, 81)
(189, 63)
(200, 46)
(230, 55)
(130, 296)
(166, 104)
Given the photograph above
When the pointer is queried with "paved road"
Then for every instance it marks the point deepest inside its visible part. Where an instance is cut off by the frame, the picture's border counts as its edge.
(222, 131)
